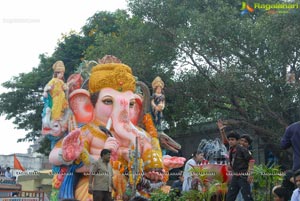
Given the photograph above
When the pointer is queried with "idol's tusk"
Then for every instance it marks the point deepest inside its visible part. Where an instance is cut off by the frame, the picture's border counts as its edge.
(108, 125)
(140, 132)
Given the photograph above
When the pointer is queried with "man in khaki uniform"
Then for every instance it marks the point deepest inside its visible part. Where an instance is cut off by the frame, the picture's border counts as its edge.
(100, 180)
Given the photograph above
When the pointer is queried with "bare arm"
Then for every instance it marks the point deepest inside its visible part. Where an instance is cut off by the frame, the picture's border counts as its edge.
(91, 178)
(111, 178)
(251, 165)
(222, 131)
(250, 170)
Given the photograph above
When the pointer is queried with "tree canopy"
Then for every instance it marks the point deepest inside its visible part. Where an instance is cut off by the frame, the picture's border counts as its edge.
(239, 62)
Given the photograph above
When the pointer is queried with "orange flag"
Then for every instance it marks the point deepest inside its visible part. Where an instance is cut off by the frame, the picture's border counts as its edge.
(17, 164)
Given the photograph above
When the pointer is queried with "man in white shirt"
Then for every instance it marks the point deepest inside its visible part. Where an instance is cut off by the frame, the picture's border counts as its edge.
(7, 173)
(197, 157)
(296, 192)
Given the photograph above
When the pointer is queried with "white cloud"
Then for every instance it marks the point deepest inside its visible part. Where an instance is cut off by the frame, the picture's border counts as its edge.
(30, 28)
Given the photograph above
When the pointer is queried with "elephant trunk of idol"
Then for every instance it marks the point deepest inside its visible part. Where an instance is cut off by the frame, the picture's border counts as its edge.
(121, 123)
(123, 129)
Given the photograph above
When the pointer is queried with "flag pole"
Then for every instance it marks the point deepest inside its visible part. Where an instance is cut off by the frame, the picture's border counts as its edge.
(12, 169)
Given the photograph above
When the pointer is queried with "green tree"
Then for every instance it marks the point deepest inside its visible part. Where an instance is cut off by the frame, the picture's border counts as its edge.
(216, 63)
(238, 64)
(137, 44)
(22, 103)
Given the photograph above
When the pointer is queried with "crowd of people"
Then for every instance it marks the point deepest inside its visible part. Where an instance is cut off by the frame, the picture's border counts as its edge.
(241, 165)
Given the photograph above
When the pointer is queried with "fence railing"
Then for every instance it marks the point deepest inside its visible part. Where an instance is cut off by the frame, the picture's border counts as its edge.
(8, 195)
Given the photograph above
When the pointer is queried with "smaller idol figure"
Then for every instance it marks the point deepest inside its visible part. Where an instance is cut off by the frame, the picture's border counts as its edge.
(55, 90)
(157, 101)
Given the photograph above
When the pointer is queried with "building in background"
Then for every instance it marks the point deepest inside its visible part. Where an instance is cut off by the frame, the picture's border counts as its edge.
(37, 175)
(30, 162)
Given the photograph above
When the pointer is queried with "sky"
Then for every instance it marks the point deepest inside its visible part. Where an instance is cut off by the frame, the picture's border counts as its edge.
(33, 27)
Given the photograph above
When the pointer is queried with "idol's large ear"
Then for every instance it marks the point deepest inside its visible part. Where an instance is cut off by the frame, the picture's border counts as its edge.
(138, 110)
(81, 105)
(144, 102)
(74, 82)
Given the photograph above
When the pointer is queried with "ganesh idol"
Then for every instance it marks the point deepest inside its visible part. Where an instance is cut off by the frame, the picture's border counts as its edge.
(109, 116)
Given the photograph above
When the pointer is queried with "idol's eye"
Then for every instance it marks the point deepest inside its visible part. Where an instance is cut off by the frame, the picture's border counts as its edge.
(55, 125)
(107, 101)
(132, 103)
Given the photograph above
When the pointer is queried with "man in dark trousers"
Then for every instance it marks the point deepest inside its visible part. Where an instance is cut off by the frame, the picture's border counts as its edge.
(100, 180)
(241, 164)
